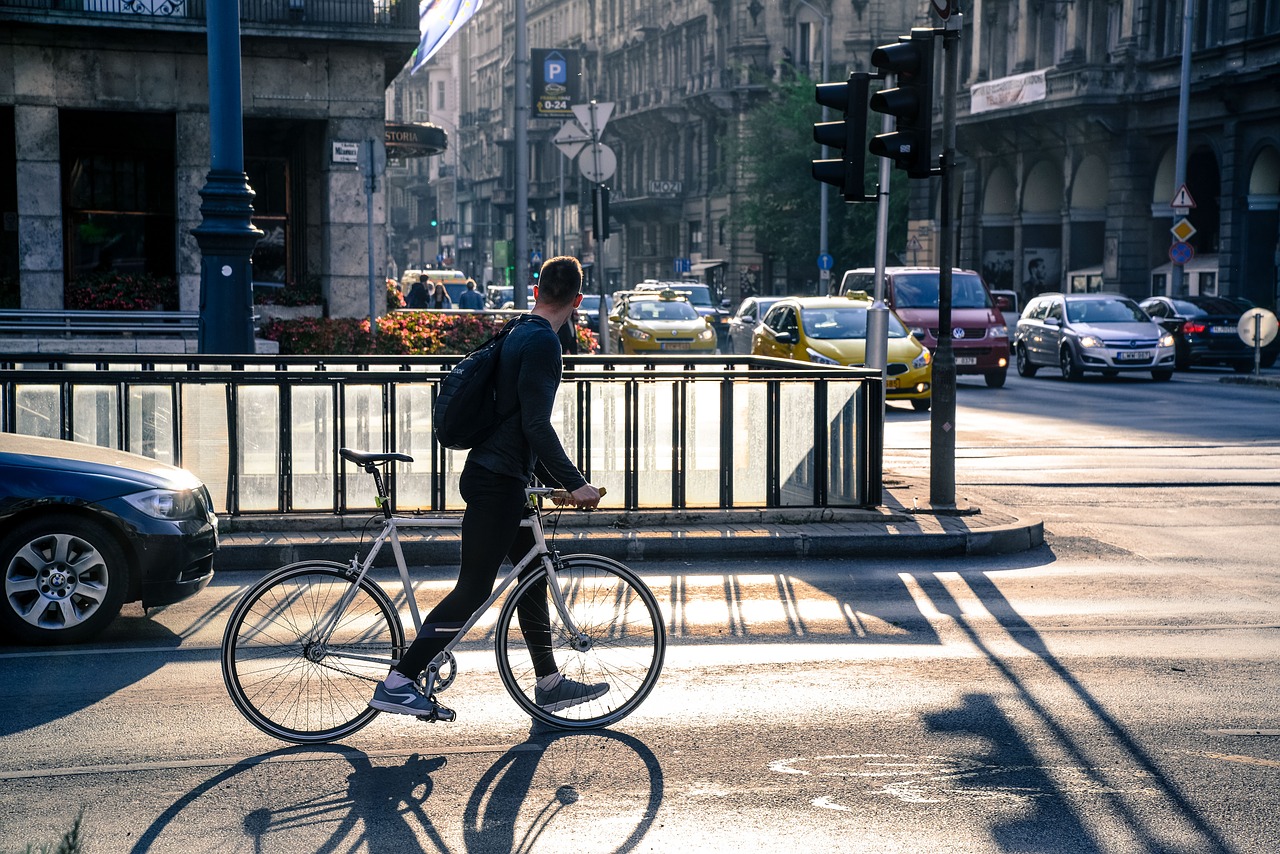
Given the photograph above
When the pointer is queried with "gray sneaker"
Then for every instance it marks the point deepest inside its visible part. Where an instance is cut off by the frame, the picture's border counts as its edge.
(408, 700)
(568, 693)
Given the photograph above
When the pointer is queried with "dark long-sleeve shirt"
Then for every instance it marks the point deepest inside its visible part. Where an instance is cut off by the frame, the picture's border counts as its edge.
(529, 372)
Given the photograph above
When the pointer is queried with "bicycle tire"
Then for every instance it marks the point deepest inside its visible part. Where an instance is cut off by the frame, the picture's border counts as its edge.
(626, 641)
(281, 680)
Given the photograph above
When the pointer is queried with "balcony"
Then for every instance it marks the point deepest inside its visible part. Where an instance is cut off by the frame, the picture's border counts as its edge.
(391, 14)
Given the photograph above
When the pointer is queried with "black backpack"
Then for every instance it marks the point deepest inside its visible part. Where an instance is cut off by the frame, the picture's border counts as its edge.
(466, 410)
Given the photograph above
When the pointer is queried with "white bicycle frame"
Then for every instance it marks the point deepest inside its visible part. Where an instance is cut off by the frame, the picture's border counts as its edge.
(390, 533)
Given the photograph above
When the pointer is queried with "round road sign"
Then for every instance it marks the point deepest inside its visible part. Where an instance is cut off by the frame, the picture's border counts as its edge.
(1181, 252)
(597, 163)
(825, 261)
(1257, 321)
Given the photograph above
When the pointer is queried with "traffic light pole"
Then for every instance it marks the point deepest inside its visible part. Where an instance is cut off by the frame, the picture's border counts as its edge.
(942, 433)
(878, 321)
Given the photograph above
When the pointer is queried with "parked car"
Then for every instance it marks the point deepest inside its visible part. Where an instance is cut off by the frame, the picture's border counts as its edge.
(979, 334)
(84, 529)
(1091, 332)
(742, 323)
(833, 331)
(1204, 331)
(699, 296)
(658, 322)
(589, 311)
(1009, 306)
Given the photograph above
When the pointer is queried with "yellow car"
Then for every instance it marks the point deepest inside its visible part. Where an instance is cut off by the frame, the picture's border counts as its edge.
(659, 322)
(833, 331)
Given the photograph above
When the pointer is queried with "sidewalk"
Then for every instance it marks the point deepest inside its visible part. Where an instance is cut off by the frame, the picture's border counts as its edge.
(905, 526)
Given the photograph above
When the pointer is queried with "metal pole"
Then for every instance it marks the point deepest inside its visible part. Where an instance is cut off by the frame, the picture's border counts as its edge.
(823, 205)
(560, 212)
(942, 432)
(878, 319)
(226, 235)
(370, 182)
(522, 259)
(1180, 156)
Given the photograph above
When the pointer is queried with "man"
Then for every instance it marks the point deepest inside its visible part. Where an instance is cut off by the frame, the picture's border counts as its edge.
(471, 298)
(492, 484)
(1036, 274)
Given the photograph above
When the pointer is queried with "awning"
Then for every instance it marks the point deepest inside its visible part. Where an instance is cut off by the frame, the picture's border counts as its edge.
(704, 266)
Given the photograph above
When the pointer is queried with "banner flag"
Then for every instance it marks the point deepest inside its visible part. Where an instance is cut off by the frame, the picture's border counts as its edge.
(437, 21)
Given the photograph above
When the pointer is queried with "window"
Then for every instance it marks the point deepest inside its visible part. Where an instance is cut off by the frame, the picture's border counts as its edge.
(268, 176)
(440, 100)
(695, 237)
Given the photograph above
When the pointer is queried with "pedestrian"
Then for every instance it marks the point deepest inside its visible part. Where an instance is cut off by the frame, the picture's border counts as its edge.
(418, 294)
(492, 485)
(440, 298)
(568, 335)
(471, 298)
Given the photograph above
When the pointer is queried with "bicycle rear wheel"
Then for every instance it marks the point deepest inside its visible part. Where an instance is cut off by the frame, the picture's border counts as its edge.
(620, 643)
(288, 680)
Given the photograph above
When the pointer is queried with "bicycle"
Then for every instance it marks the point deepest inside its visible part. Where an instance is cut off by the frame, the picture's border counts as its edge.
(305, 645)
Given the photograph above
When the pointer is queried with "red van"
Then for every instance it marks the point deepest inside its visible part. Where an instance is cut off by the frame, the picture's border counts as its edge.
(979, 336)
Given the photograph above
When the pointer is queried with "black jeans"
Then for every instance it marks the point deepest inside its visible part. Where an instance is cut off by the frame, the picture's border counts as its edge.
(490, 531)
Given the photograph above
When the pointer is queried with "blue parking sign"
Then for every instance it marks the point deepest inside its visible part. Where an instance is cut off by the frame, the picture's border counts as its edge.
(555, 69)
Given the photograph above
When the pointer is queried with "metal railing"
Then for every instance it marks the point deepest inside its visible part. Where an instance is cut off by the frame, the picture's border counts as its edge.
(69, 323)
(386, 13)
(263, 432)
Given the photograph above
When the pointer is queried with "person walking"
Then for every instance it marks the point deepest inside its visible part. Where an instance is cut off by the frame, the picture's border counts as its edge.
(492, 485)
(471, 298)
(418, 294)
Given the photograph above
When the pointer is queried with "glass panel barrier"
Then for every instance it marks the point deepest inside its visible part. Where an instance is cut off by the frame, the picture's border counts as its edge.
(151, 433)
(750, 434)
(364, 430)
(843, 400)
(702, 444)
(95, 415)
(314, 439)
(39, 411)
(795, 444)
(655, 410)
(258, 420)
(413, 437)
(205, 439)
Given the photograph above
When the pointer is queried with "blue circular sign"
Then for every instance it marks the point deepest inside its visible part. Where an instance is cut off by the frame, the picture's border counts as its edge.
(825, 261)
(1181, 252)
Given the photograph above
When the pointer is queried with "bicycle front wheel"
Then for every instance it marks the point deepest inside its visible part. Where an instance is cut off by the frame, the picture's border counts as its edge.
(305, 648)
(616, 650)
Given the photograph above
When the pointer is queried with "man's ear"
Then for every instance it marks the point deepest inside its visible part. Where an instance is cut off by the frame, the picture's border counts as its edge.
(577, 300)
(535, 293)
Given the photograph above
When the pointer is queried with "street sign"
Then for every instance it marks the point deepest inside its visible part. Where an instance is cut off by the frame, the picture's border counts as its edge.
(598, 163)
(825, 261)
(1181, 253)
(1183, 229)
(943, 8)
(593, 116)
(571, 139)
(535, 257)
(1260, 322)
(1182, 199)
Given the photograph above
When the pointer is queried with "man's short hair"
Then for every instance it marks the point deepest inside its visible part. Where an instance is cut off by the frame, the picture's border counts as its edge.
(560, 280)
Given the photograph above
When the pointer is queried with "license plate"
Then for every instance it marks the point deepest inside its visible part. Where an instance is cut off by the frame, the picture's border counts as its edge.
(1134, 356)
(1222, 330)
(966, 360)
(675, 345)
(892, 382)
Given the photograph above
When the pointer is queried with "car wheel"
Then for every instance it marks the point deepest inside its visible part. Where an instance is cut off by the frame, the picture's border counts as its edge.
(1070, 367)
(995, 379)
(1162, 376)
(1025, 368)
(65, 578)
(920, 405)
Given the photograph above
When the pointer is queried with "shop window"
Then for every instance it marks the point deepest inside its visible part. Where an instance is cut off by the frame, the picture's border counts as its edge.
(269, 178)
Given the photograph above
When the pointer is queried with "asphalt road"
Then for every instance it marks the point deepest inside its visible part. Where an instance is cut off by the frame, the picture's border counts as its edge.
(1112, 691)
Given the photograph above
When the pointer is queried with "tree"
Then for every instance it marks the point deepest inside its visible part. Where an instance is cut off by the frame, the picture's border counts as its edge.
(778, 201)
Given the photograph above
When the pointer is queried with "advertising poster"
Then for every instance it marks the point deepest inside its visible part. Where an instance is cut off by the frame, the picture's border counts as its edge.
(1041, 271)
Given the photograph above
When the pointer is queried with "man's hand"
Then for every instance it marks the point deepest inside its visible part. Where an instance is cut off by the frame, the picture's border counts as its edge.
(586, 496)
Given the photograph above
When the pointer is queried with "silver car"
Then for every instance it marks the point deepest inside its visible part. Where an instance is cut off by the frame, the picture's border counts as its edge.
(1108, 333)
(743, 322)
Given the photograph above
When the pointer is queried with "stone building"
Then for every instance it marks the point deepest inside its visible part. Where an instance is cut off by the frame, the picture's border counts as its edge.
(1067, 132)
(104, 140)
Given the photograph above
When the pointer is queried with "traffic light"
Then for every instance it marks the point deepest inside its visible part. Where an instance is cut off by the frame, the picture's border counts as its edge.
(848, 135)
(600, 214)
(433, 222)
(909, 145)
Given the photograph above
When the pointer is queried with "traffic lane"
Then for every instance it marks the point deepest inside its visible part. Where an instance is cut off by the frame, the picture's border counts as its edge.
(977, 749)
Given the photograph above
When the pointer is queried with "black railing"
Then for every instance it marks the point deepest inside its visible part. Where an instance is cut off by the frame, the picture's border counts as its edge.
(263, 432)
(388, 13)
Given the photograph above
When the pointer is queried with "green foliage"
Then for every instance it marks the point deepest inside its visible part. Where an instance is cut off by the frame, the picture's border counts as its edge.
(72, 842)
(305, 293)
(115, 291)
(780, 198)
(400, 333)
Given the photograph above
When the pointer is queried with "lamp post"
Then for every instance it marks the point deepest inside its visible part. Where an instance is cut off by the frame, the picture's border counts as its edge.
(822, 199)
(457, 176)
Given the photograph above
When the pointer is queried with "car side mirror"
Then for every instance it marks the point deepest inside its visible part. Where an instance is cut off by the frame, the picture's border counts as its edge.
(785, 338)
(1004, 303)
(724, 303)
(616, 318)
(1052, 321)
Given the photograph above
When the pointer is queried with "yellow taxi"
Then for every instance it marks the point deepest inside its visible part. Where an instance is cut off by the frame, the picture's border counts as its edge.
(659, 322)
(833, 331)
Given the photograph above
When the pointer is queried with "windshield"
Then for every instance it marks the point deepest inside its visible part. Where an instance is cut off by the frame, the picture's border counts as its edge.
(836, 323)
(590, 302)
(1105, 311)
(1211, 305)
(697, 294)
(662, 310)
(920, 290)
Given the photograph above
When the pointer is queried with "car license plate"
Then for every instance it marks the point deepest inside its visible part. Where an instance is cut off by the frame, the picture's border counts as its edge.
(1134, 356)
(966, 360)
(892, 382)
(1222, 330)
(675, 345)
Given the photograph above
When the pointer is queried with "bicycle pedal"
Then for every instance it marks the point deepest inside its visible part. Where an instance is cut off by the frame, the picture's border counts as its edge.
(439, 713)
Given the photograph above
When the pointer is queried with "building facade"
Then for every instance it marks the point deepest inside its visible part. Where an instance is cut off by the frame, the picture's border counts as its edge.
(104, 142)
(1067, 136)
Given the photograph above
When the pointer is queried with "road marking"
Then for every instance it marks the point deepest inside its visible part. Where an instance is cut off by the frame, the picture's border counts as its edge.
(1237, 758)
(335, 756)
(1244, 732)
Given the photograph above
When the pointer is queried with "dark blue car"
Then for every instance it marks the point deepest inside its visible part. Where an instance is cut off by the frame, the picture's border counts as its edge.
(84, 529)
(1204, 331)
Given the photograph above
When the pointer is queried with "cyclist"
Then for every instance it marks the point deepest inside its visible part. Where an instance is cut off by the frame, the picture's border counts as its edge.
(492, 485)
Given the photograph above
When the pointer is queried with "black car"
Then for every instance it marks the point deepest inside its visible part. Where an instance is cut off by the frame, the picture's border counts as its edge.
(84, 529)
(1204, 331)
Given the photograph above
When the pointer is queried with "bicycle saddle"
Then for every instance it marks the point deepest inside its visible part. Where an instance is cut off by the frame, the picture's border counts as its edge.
(364, 458)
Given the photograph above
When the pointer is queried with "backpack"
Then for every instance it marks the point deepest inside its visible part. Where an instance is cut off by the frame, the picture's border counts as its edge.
(466, 409)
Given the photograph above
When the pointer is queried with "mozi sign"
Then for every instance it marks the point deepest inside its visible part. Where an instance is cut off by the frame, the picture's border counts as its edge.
(664, 188)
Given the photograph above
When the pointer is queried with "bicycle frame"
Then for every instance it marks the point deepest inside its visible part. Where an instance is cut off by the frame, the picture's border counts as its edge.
(390, 532)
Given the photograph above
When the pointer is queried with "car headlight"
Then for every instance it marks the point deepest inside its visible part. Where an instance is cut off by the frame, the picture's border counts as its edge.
(921, 361)
(917, 331)
(1000, 331)
(638, 334)
(1089, 341)
(706, 334)
(818, 358)
(166, 503)
(1166, 340)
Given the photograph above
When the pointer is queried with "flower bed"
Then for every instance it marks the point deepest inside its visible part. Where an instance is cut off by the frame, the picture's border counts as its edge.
(116, 291)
